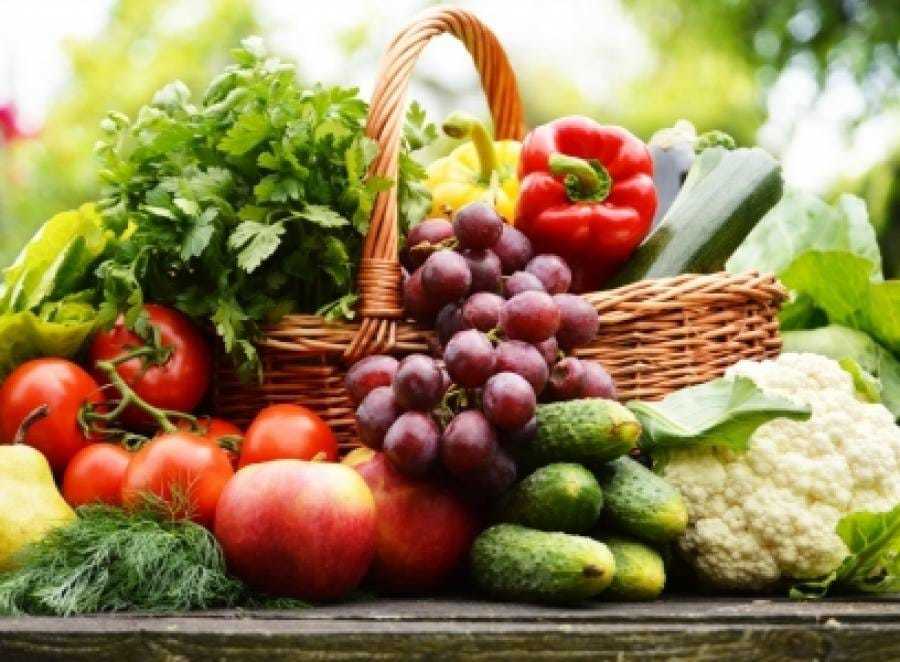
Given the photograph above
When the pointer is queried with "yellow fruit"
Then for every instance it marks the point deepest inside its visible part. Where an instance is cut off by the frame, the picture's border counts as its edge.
(30, 504)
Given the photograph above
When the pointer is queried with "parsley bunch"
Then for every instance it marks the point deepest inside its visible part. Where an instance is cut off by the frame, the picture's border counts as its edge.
(247, 206)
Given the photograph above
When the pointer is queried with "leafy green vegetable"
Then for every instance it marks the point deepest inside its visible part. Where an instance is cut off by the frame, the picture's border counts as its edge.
(828, 257)
(723, 412)
(801, 222)
(873, 565)
(844, 287)
(43, 310)
(249, 205)
(108, 560)
(60, 329)
(56, 262)
(840, 342)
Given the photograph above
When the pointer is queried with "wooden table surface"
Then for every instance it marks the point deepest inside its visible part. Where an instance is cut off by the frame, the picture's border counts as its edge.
(725, 630)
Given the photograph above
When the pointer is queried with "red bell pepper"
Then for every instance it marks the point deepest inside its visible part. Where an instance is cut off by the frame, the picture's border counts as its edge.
(586, 194)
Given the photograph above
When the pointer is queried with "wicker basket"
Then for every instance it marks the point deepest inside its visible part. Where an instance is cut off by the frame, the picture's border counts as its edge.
(655, 336)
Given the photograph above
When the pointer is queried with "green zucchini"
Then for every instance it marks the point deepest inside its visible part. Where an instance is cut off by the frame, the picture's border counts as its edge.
(725, 195)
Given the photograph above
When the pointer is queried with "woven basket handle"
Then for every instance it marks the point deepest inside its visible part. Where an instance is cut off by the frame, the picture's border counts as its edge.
(379, 273)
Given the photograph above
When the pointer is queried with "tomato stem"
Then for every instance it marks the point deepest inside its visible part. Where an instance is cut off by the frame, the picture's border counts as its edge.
(33, 417)
(131, 398)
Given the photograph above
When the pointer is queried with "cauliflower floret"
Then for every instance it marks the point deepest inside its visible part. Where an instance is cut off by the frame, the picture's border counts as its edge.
(769, 514)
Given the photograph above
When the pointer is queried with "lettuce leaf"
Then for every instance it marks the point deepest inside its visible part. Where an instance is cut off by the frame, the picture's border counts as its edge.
(873, 565)
(847, 288)
(724, 412)
(828, 257)
(58, 329)
(56, 262)
(801, 222)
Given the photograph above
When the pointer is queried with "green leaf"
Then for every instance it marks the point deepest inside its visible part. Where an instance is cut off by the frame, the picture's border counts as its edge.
(256, 241)
(873, 565)
(867, 387)
(198, 237)
(801, 222)
(418, 132)
(840, 342)
(844, 286)
(323, 216)
(723, 412)
(60, 331)
(245, 134)
(55, 262)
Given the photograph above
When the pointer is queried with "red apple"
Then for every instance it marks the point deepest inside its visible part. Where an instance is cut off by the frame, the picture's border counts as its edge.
(298, 529)
(424, 529)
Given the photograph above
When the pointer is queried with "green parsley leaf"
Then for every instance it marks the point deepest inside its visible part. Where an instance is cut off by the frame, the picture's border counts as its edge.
(256, 241)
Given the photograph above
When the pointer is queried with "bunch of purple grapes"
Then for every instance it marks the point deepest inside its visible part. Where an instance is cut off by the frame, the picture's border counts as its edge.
(505, 322)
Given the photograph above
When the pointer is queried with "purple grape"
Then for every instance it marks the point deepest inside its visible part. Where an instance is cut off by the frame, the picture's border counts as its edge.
(531, 316)
(477, 225)
(424, 236)
(375, 414)
(522, 281)
(508, 400)
(549, 349)
(468, 444)
(482, 311)
(567, 379)
(446, 277)
(521, 436)
(552, 271)
(578, 321)
(513, 248)
(416, 302)
(418, 383)
(484, 265)
(370, 373)
(496, 478)
(524, 360)
(598, 383)
(449, 322)
(412, 443)
(470, 358)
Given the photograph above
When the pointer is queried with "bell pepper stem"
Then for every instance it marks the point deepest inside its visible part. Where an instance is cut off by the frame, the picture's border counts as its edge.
(586, 181)
(462, 125)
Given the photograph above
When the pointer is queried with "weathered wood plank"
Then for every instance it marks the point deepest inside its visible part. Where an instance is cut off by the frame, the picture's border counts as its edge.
(674, 629)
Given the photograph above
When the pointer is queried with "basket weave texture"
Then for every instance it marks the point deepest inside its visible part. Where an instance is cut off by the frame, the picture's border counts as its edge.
(655, 336)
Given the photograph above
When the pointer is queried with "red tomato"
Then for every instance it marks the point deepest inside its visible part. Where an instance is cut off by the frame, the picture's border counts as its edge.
(64, 388)
(180, 383)
(215, 429)
(95, 475)
(184, 470)
(283, 432)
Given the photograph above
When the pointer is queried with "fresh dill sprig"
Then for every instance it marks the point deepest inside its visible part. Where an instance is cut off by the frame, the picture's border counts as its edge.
(109, 560)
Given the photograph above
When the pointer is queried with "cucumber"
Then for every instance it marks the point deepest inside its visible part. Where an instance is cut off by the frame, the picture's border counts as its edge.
(725, 195)
(559, 497)
(640, 503)
(640, 572)
(512, 562)
(588, 431)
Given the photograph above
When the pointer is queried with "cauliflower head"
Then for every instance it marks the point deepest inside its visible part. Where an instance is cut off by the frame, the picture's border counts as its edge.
(769, 514)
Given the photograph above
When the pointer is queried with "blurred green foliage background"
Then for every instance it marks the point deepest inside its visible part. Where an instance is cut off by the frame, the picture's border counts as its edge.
(715, 62)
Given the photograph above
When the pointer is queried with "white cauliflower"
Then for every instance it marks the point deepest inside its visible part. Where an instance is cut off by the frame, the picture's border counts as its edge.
(769, 514)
